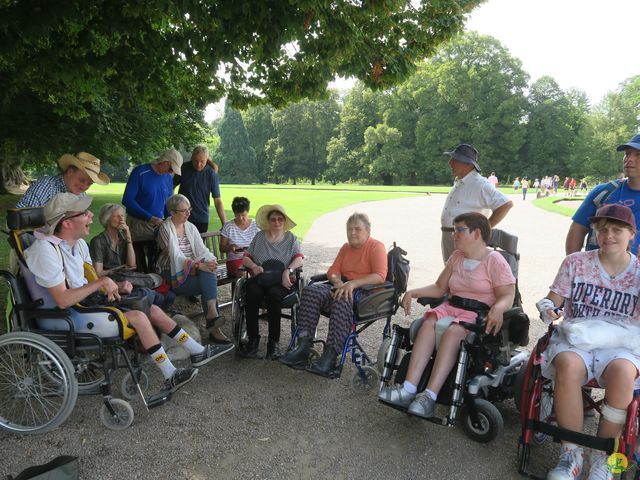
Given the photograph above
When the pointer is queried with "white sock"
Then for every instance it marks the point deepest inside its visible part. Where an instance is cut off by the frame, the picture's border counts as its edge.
(184, 339)
(409, 387)
(431, 393)
(162, 361)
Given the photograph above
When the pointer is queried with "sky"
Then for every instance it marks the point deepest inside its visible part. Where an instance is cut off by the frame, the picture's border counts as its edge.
(588, 44)
(591, 45)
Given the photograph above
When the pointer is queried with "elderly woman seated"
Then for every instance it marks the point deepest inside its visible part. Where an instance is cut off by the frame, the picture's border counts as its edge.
(360, 261)
(113, 255)
(236, 235)
(272, 257)
(188, 264)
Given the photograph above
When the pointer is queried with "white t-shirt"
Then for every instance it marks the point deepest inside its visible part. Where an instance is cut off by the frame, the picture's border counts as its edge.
(47, 267)
(472, 193)
(236, 236)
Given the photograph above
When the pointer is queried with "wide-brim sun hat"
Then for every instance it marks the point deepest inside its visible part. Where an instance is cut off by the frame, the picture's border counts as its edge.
(616, 212)
(56, 209)
(633, 143)
(465, 153)
(87, 163)
(262, 217)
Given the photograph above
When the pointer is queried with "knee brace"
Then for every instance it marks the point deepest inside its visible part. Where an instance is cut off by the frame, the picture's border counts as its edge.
(614, 415)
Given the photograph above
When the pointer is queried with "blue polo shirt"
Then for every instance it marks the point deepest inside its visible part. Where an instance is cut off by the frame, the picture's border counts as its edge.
(197, 186)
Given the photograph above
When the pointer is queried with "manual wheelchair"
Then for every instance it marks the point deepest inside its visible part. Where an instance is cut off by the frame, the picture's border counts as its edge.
(486, 367)
(534, 400)
(46, 361)
(370, 304)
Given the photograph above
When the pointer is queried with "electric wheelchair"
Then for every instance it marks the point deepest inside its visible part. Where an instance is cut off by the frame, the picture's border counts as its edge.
(371, 303)
(534, 400)
(486, 367)
(47, 360)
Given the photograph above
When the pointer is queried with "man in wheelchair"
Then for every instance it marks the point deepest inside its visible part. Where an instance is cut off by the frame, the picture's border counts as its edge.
(474, 272)
(598, 338)
(56, 259)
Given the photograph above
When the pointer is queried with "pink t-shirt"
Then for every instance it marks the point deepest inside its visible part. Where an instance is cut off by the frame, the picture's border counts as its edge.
(592, 292)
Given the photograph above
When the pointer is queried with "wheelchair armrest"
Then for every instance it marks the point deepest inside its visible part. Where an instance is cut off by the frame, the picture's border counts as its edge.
(431, 301)
(372, 288)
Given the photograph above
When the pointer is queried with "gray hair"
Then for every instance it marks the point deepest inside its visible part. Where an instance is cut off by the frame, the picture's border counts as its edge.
(174, 201)
(200, 149)
(360, 217)
(107, 210)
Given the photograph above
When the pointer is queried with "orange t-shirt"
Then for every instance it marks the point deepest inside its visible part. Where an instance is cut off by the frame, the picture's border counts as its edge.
(354, 263)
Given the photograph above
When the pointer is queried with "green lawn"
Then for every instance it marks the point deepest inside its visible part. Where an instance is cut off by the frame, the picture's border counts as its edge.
(304, 203)
(566, 207)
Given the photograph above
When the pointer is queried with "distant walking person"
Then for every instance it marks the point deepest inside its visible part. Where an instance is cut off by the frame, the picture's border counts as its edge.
(471, 192)
(493, 180)
(525, 187)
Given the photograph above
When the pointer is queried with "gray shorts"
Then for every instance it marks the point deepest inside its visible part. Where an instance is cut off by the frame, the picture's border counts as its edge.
(595, 361)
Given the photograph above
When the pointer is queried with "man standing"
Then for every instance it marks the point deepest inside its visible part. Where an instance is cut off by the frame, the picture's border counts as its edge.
(493, 180)
(148, 188)
(624, 192)
(57, 259)
(471, 192)
(79, 172)
(198, 180)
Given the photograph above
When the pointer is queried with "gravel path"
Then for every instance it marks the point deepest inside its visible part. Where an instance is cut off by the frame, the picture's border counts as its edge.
(258, 419)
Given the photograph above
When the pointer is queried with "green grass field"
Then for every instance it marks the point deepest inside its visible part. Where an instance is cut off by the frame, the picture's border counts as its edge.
(566, 207)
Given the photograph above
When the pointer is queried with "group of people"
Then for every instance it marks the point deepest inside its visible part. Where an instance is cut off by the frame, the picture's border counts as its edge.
(597, 288)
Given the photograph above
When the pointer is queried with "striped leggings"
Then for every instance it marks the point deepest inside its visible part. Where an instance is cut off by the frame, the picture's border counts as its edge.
(316, 298)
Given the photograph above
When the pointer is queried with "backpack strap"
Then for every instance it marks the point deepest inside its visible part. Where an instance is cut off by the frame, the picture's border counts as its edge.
(606, 192)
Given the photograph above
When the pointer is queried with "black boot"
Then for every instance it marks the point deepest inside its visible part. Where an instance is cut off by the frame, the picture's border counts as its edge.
(273, 350)
(250, 350)
(326, 363)
(298, 358)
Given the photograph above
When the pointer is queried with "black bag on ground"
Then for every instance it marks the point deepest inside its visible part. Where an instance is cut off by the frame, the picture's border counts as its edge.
(272, 274)
(60, 468)
(398, 269)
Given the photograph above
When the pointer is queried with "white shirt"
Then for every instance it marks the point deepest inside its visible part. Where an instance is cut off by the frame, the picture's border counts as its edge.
(47, 267)
(472, 193)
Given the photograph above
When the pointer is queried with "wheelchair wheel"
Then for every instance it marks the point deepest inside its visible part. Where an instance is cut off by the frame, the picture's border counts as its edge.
(382, 353)
(523, 386)
(128, 386)
(365, 379)
(238, 317)
(491, 422)
(38, 387)
(90, 374)
(123, 417)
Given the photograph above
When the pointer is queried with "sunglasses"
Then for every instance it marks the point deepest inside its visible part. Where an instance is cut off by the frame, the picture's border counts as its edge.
(459, 229)
(276, 219)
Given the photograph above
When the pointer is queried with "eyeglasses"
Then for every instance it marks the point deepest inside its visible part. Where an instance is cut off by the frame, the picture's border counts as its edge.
(85, 213)
(184, 210)
(459, 229)
(276, 219)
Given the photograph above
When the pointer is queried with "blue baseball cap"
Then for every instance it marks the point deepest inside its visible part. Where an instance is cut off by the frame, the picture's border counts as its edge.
(633, 143)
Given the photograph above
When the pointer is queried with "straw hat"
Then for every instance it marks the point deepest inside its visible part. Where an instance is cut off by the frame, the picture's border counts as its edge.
(263, 213)
(87, 163)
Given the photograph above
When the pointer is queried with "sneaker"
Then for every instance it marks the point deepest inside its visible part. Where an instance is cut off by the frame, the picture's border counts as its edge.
(179, 379)
(423, 406)
(209, 353)
(395, 395)
(569, 466)
(599, 470)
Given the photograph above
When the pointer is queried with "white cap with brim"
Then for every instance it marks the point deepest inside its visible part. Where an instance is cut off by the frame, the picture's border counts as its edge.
(87, 163)
(61, 204)
(174, 157)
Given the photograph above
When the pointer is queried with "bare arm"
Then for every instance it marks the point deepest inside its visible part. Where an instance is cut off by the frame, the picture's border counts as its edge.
(435, 290)
(220, 209)
(575, 238)
(504, 301)
(225, 245)
(345, 290)
(499, 213)
(66, 297)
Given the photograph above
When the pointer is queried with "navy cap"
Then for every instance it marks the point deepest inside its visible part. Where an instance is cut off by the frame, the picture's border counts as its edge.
(633, 143)
(465, 153)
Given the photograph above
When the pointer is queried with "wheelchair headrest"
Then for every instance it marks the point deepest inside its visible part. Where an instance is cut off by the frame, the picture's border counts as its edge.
(25, 218)
(507, 245)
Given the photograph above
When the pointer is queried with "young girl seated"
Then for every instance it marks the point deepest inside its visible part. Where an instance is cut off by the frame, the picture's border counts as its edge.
(473, 271)
(599, 290)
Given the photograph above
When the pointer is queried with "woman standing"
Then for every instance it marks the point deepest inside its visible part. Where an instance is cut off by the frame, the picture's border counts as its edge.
(272, 257)
(188, 264)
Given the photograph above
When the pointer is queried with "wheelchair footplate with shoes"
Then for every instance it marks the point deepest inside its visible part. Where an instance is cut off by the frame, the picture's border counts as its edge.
(371, 304)
(485, 370)
(534, 400)
(45, 362)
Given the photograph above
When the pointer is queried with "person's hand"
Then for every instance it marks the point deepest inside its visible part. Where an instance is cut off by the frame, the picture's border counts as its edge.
(155, 221)
(494, 321)
(344, 291)
(256, 270)
(547, 310)
(124, 228)
(406, 303)
(125, 287)
(110, 288)
(209, 266)
(286, 279)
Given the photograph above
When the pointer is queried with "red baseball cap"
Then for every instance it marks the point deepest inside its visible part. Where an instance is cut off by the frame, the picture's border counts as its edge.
(616, 212)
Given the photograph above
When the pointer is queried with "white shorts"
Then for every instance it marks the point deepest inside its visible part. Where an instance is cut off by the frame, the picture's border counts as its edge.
(595, 361)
